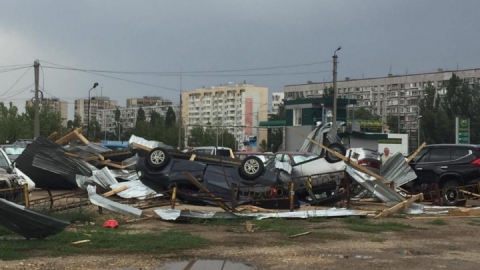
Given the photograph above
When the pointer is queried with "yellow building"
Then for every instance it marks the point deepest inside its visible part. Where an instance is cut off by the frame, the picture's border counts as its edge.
(237, 108)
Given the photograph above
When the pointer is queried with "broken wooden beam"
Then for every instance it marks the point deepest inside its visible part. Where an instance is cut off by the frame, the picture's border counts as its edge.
(139, 146)
(470, 193)
(402, 205)
(300, 234)
(207, 192)
(416, 152)
(114, 191)
(68, 137)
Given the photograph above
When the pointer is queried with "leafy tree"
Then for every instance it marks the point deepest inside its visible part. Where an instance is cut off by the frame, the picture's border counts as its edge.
(77, 121)
(155, 118)
(392, 123)
(117, 115)
(170, 117)
(141, 115)
(275, 135)
(363, 114)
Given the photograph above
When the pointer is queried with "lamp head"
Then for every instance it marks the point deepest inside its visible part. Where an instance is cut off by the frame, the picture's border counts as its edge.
(95, 85)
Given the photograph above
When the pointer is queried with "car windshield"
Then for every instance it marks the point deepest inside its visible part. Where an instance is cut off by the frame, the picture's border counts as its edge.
(302, 158)
(223, 152)
(13, 150)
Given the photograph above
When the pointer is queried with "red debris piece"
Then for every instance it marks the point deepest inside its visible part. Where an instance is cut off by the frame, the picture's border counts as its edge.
(111, 223)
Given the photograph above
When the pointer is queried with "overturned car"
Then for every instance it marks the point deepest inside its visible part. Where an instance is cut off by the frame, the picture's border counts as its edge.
(162, 169)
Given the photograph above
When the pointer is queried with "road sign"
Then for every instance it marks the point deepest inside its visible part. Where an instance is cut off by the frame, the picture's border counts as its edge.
(462, 130)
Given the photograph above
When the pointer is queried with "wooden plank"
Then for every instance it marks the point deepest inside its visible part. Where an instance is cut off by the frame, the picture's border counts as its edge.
(349, 162)
(139, 146)
(71, 155)
(192, 157)
(204, 190)
(402, 205)
(80, 242)
(81, 137)
(300, 234)
(68, 137)
(52, 135)
(416, 152)
(464, 212)
(115, 191)
(470, 193)
(473, 202)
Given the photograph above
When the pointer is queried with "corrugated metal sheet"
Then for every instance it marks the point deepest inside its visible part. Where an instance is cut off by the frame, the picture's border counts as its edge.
(28, 223)
(375, 186)
(47, 165)
(396, 169)
(150, 144)
(111, 205)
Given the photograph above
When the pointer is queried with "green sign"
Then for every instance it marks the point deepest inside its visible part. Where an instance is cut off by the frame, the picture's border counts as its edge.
(462, 125)
(391, 141)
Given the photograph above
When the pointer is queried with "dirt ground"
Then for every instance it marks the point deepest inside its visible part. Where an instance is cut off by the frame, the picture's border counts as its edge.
(425, 246)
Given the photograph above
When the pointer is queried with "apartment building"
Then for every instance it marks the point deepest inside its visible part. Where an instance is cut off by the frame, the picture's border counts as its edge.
(147, 101)
(237, 108)
(277, 98)
(128, 116)
(393, 94)
(55, 105)
(96, 104)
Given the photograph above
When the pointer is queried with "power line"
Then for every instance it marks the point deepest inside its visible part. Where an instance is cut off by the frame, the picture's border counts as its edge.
(177, 73)
(15, 82)
(24, 65)
(19, 91)
(11, 69)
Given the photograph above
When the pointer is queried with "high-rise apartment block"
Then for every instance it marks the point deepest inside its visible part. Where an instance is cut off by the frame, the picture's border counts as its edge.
(147, 101)
(96, 103)
(236, 108)
(55, 105)
(395, 94)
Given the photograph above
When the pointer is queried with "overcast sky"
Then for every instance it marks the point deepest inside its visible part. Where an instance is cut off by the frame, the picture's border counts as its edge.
(145, 45)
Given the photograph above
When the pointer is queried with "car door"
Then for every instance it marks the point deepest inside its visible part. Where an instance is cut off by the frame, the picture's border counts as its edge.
(461, 159)
(432, 164)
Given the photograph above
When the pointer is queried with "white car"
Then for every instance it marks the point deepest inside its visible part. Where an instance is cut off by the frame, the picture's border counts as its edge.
(5, 163)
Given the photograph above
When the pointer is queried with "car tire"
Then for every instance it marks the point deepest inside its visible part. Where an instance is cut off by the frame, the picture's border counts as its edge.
(251, 168)
(450, 193)
(336, 147)
(157, 158)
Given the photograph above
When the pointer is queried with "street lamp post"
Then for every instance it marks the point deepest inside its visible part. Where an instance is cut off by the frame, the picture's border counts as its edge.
(89, 101)
(418, 130)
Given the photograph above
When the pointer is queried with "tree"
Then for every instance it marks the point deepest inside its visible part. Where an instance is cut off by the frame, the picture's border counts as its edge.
(117, 115)
(141, 115)
(262, 147)
(170, 117)
(275, 135)
(77, 121)
(392, 123)
(364, 114)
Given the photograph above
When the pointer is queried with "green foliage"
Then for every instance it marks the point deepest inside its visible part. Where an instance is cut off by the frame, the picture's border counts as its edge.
(117, 115)
(438, 221)
(170, 117)
(363, 114)
(363, 225)
(77, 121)
(275, 135)
(392, 123)
(262, 147)
(118, 241)
(141, 115)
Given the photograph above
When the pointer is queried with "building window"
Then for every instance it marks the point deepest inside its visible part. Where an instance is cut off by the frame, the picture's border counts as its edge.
(297, 117)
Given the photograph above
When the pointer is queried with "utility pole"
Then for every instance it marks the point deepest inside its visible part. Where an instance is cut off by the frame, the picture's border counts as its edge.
(36, 123)
(180, 115)
(334, 120)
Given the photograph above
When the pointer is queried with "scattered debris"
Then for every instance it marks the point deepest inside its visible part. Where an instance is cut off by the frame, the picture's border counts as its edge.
(110, 224)
(80, 242)
(111, 205)
(300, 234)
(28, 223)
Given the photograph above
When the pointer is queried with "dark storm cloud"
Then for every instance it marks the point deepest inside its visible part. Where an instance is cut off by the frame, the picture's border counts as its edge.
(160, 36)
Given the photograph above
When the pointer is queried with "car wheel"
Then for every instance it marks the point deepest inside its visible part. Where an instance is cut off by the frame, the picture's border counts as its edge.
(336, 147)
(157, 158)
(450, 193)
(251, 167)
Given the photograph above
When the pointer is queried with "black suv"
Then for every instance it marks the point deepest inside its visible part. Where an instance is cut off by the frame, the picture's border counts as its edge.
(449, 165)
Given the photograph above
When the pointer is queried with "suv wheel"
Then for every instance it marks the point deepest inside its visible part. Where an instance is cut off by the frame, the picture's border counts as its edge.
(251, 167)
(450, 193)
(157, 158)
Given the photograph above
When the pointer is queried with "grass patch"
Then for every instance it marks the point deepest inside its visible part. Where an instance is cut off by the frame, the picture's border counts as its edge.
(220, 221)
(116, 241)
(438, 222)
(284, 226)
(330, 236)
(363, 225)
(317, 219)
(474, 222)
(377, 240)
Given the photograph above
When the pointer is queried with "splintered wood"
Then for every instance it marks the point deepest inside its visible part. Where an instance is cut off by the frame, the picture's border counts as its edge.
(402, 205)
